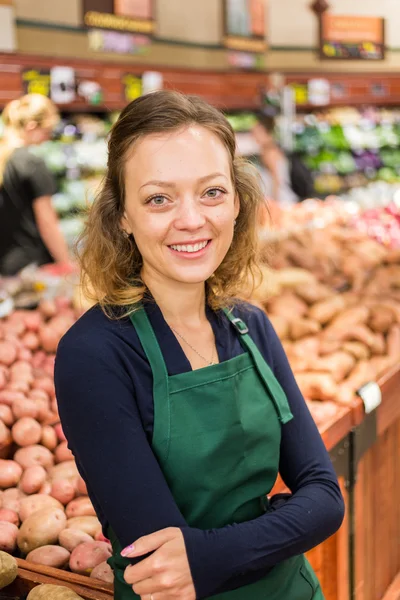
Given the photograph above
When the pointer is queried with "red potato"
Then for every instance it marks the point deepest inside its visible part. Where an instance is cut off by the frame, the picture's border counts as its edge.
(90, 525)
(99, 537)
(62, 304)
(5, 436)
(3, 377)
(63, 453)
(65, 470)
(18, 386)
(39, 395)
(10, 473)
(34, 455)
(8, 353)
(15, 326)
(40, 529)
(6, 415)
(103, 572)
(33, 479)
(46, 488)
(64, 492)
(49, 437)
(80, 507)
(43, 411)
(47, 308)
(23, 407)
(33, 320)
(30, 340)
(59, 431)
(8, 536)
(11, 516)
(44, 383)
(71, 538)
(50, 556)
(38, 359)
(11, 499)
(49, 338)
(26, 432)
(85, 557)
(24, 354)
(81, 486)
(9, 397)
(37, 502)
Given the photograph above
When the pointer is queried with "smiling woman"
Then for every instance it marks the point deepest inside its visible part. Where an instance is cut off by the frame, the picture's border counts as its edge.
(176, 398)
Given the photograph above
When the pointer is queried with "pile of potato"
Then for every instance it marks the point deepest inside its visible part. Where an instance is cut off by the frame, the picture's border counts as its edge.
(333, 297)
(45, 513)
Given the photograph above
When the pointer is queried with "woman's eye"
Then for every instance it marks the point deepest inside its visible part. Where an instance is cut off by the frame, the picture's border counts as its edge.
(157, 201)
(214, 193)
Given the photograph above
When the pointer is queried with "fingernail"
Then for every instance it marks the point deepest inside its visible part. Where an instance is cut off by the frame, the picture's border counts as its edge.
(126, 551)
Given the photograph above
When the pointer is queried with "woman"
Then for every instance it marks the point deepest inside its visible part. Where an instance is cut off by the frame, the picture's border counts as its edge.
(29, 229)
(177, 401)
(286, 179)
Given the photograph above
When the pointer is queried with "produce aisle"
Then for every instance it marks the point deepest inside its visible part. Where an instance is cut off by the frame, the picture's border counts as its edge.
(332, 293)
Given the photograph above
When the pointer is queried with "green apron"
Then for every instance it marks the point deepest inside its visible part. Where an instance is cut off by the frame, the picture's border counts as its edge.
(217, 434)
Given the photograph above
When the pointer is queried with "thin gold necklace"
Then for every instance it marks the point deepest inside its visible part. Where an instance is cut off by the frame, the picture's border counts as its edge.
(194, 349)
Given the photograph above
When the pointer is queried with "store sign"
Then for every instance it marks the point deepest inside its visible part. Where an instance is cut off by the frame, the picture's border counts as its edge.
(354, 38)
(36, 81)
(319, 92)
(133, 87)
(135, 16)
(137, 9)
(117, 42)
(300, 91)
(245, 25)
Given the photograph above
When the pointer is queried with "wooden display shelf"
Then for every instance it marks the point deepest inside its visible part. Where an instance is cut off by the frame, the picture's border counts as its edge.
(30, 576)
(335, 430)
(393, 592)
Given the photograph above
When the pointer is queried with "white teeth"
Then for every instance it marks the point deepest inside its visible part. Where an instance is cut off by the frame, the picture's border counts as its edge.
(189, 247)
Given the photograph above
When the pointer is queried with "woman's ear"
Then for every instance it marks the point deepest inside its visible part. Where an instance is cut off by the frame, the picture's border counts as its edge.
(125, 225)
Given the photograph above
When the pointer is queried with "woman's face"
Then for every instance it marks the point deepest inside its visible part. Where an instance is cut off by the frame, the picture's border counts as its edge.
(180, 204)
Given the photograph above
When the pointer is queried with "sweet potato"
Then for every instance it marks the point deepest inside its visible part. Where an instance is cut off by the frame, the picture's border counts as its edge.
(26, 432)
(350, 317)
(357, 349)
(8, 569)
(32, 479)
(34, 455)
(40, 529)
(329, 346)
(64, 491)
(381, 318)
(393, 342)
(281, 326)
(288, 306)
(103, 572)
(379, 344)
(10, 473)
(8, 536)
(338, 365)
(90, 525)
(47, 591)
(80, 507)
(37, 502)
(50, 556)
(313, 292)
(317, 386)
(325, 311)
(360, 375)
(308, 346)
(71, 538)
(300, 328)
(88, 555)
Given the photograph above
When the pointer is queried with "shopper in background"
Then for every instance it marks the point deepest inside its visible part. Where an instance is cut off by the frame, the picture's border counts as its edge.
(286, 179)
(29, 228)
(176, 398)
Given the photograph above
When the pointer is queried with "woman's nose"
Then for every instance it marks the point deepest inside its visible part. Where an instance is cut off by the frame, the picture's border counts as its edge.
(190, 216)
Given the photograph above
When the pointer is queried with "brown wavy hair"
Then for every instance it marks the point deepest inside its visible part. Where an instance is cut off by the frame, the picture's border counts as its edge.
(111, 263)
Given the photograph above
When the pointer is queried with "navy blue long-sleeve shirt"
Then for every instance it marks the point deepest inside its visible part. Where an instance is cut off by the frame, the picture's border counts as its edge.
(104, 391)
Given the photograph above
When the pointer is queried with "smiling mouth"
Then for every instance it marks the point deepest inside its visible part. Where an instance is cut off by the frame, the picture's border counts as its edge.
(191, 248)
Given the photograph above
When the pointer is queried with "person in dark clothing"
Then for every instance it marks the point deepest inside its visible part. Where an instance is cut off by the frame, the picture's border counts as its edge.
(176, 398)
(29, 229)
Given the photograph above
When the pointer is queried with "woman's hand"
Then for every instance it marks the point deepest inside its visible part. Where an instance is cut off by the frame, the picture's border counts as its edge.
(165, 575)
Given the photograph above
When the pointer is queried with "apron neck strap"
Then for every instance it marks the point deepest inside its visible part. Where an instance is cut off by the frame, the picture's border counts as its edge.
(272, 385)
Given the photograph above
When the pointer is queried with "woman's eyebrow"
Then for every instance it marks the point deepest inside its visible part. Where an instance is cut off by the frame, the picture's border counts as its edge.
(172, 184)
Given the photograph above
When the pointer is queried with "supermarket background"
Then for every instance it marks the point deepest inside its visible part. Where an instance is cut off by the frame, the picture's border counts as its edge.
(330, 74)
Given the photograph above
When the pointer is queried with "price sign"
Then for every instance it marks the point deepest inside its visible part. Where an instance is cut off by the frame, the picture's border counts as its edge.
(371, 395)
(132, 87)
(300, 93)
(36, 81)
